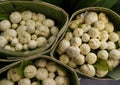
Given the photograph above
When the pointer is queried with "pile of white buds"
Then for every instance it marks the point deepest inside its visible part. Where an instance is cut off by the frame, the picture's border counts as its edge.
(26, 30)
(91, 35)
(42, 72)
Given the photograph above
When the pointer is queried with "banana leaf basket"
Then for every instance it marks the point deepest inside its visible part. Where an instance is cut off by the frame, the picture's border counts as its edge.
(114, 18)
(70, 72)
(57, 14)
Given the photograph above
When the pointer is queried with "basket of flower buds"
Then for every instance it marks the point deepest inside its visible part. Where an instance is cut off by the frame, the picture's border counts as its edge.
(38, 70)
(29, 27)
(91, 43)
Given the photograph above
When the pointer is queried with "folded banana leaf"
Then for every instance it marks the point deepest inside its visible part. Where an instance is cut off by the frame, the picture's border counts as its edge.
(57, 14)
(70, 72)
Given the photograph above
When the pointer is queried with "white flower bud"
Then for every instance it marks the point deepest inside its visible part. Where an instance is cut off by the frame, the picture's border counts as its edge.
(48, 22)
(54, 30)
(114, 54)
(73, 51)
(41, 63)
(22, 23)
(34, 37)
(4, 25)
(103, 17)
(100, 25)
(93, 33)
(101, 73)
(14, 26)
(32, 44)
(30, 71)
(80, 59)
(15, 17)
(30, 29)
(14, 42)
(44, 30)
(66, 81)
(6, 82)
(112, 63)
(91, 17)
(51, 75)
(34, 16)
(87, 70)
(72, 64)
(85, 27)
(111, 45)
(80, 17)
(77, 32)
(104, 36)
(51, 39)
(103, 54)
(85, 37)
(84, 49)
(51, 66)
(41, 17)
(73, 25)
(109, 27)
(26, 15)
(35, 83)
(49, 81)
(3, 41)
(64, 58)
(68, 36)
(94, 43)
(21, 29)
(41, 41)
(91, 58)
(38, 23)
(103, 45)
(18, 47)
(59, 80)
(30, 22)
(76, 41)
(113, 37)
(13, 74)
(63, 45)
(25, 47)
(24, 81)
(42, 74)
(10, 33)
(24, 37)
(7, 47)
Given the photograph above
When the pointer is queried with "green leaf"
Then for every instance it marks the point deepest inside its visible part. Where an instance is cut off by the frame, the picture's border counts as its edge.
(4, 16)
(108, 3)
(39, 82)
(115, 73)
(87, 3)
(68, 30)
(101, 65)
(55, 2)
(23, 64)
(116, 7)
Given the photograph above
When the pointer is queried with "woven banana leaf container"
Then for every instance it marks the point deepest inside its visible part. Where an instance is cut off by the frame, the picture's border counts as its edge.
(70, 73)
(55, 13)
(111, 73)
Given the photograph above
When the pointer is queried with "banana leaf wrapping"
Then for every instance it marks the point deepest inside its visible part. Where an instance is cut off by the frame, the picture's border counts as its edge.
(70, 72)
(115, 19)
(57, 14)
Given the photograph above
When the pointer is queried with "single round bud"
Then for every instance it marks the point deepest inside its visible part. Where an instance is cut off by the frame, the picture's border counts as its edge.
(91, 58)
(103, 54)
(30, 71)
